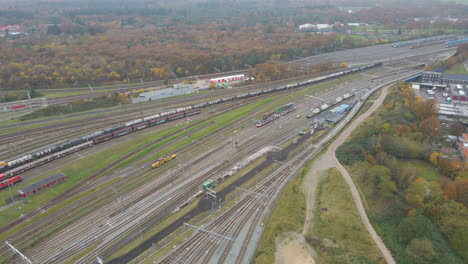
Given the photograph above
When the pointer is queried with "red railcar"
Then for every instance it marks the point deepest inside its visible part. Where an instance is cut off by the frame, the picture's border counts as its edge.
(13, 180)
(17, 106)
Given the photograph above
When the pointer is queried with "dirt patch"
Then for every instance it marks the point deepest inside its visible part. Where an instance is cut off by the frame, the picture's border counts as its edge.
(323, 162)
(293, 249)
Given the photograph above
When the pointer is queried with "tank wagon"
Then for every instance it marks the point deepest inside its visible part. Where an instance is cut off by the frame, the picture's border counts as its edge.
(46, 154)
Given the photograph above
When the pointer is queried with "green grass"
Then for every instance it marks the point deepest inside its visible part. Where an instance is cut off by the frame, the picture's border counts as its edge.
(359, 37)
(427, 171)
(288, 215)
(342, 236)
(457, 68)
(375, 94)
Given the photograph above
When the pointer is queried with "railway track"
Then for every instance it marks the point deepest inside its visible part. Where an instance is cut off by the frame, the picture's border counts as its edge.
(209, 248)
(259, 146)
(83, 187)
(38, 225)
(237, 215)
(21, 141)
(192, 184)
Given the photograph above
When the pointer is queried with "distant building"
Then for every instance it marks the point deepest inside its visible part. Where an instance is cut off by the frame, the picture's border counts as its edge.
(12, 30)
(435, 19)
(316, 27)
(307, 27)
(357, 24)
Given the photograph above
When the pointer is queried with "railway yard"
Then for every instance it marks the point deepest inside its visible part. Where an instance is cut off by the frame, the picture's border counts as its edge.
(138, 198)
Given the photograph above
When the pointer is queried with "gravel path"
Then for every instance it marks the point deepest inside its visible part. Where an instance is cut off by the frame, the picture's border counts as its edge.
(329, 160)
(354, 191)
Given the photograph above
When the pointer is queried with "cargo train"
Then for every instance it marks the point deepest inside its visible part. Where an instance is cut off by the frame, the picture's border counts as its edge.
(36, 158)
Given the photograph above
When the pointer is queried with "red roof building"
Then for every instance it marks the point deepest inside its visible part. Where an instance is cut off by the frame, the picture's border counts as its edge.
(11, 28)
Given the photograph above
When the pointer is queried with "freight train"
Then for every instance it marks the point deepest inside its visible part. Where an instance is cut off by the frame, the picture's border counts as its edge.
(53, 152)
(46, 154)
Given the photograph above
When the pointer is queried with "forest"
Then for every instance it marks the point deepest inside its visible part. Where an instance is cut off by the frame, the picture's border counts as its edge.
(414, 188)
(76, 43)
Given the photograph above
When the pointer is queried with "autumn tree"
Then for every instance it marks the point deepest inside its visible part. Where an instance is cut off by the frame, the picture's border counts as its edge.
(421, 251)
(457, 129)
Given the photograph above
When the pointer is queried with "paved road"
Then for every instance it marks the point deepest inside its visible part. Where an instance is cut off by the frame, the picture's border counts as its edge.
(354, 191)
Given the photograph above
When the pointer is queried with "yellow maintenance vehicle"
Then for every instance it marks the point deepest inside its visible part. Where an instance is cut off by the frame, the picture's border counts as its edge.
(161, 161)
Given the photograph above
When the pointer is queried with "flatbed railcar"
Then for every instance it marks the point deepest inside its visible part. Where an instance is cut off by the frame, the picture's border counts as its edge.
(109, 133)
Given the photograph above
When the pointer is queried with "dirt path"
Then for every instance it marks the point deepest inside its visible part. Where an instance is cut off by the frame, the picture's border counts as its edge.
(288, 249)
(331, 157)
(323, 162)
(293, 249)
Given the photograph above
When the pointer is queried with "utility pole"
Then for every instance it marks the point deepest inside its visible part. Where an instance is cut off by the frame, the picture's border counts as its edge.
(12, 199)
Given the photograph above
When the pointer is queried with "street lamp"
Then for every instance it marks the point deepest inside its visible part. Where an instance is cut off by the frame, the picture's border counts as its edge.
(11, 194)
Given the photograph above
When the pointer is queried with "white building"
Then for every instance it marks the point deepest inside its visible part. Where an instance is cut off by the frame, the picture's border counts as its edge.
(307, 27)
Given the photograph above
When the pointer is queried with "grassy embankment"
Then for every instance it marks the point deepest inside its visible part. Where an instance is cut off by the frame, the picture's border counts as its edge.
(404, 195)
(266, 249)
(76, 107)
(338, 234)
(458, 68)
(288, 215)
